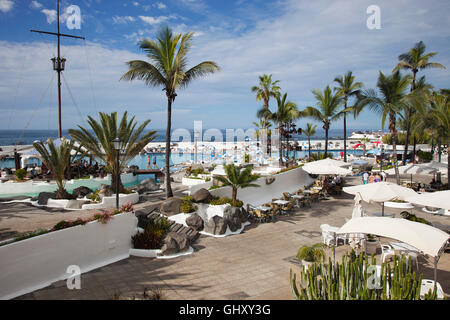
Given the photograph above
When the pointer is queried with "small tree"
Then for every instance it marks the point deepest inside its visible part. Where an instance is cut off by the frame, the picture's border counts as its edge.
(237, 178)
(57, 160)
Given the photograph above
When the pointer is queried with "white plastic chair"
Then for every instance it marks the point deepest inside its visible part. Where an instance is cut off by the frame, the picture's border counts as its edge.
(386, 252)
(429, 285)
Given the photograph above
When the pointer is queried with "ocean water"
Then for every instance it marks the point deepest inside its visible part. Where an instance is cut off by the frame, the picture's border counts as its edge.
(26, 137)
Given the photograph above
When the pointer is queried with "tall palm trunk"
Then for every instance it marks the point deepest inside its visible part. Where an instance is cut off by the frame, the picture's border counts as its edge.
(448, 165)
(280, 146)
(408, 124)
(439, 149)
(394, 144)
(114, 183)
(326, 139)
(345, 133)
(309, 147)
(234, 194)
(167, 165)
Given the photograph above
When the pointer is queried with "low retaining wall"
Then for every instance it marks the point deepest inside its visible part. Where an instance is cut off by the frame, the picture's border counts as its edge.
(289, 181)
(12, 188)
(110, 202)
(35, 263)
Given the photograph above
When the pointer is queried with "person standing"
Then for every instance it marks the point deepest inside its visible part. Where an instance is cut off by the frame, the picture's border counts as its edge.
(383, 176)
(365, 177)
(149, 162)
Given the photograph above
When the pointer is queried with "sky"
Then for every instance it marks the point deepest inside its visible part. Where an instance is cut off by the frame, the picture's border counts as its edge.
(304, 44)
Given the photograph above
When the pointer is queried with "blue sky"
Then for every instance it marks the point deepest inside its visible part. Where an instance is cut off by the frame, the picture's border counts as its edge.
(304, 44)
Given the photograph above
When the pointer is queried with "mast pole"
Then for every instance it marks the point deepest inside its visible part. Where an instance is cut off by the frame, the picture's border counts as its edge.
(59, 75)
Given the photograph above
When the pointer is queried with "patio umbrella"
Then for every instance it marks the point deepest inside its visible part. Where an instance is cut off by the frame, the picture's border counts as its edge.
(358, 211)
(326, 169)
(413, 169)
(380, 192)
(328, 162)
(438, 199)
(427, 239)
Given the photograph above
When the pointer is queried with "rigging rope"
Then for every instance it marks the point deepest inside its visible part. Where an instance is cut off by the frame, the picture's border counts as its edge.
(17, 89)
(34, 111)
(90, 76)
(71, 96)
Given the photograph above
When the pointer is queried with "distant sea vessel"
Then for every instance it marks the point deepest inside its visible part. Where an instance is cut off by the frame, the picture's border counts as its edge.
(372, 135)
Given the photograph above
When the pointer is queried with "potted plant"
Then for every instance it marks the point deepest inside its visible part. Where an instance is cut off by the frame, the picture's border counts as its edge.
(371, 244)
(308, 255)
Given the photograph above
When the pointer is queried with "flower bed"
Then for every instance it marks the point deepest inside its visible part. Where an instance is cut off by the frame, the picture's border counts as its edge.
(38, 259)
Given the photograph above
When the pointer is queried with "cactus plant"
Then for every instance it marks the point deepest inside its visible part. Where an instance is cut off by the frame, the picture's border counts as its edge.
(352, 279)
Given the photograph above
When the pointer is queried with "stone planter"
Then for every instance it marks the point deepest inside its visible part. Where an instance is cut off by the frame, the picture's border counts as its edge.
(371, 247)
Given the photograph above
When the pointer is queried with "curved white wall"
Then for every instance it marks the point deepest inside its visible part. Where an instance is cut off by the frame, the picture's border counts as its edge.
(35, 263)
(110, 202)
(289, 181)
(12, 187)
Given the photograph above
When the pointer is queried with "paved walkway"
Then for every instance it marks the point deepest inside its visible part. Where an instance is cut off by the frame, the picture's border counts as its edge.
(251, 265)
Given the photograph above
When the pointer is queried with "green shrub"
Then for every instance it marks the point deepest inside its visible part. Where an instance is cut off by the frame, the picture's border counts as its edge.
(314, 253)
(153, 234)
(197, 171)
(20, 174)
(214, 187)
(95, 196)
(246, 158)
(425, 156)
(208, 179)
(216, 201)
(321, 156)
(412, 217)
(187, 205)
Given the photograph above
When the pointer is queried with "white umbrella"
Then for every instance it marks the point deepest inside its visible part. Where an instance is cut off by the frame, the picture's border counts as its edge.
(326, 169)
(380, 192)
(413, 169)
(328, 162)
(427, 239)
(438, 199)
(441, 167)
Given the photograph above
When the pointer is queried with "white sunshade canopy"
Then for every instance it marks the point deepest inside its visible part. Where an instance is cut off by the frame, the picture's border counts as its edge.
(438, 199)
(429, 240)
(328, 162)
(380, 192)
(327, 169)
(413, 169)
(441, 167)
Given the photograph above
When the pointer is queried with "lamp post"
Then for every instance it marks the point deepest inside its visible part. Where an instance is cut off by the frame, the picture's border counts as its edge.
(196, 136)
(117, 146)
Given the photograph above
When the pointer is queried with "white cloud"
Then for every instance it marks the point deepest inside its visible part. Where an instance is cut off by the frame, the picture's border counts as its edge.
(50, 15)
(155, 20)
(35, 5)
(160, 5)
(136, 4)
(6, 5)
(123, 20)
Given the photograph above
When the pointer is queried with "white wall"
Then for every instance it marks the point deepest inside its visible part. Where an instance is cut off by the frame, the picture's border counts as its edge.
(289, 181)
(12, 187)
(35, 263)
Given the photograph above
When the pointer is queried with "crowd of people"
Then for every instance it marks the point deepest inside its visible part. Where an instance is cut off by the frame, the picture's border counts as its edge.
(371, 177)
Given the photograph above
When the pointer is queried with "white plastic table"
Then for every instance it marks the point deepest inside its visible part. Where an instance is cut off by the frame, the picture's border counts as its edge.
(308, 191)
(317, 188)
(263, 208)
(281, 202)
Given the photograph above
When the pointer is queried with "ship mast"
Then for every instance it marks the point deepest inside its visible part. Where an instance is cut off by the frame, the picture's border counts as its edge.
(58, 63)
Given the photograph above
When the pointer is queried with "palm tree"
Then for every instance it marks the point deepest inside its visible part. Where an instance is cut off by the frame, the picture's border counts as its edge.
(264, 90)
(347, 88)
(414, 60)
(57, 160)
(100, 143)
(309, 132)
(440, 117)
(237, 178)
(390, 104)
(327, 110)
(364, 141)
(168, 56)
(287, 111)
(261, 126)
